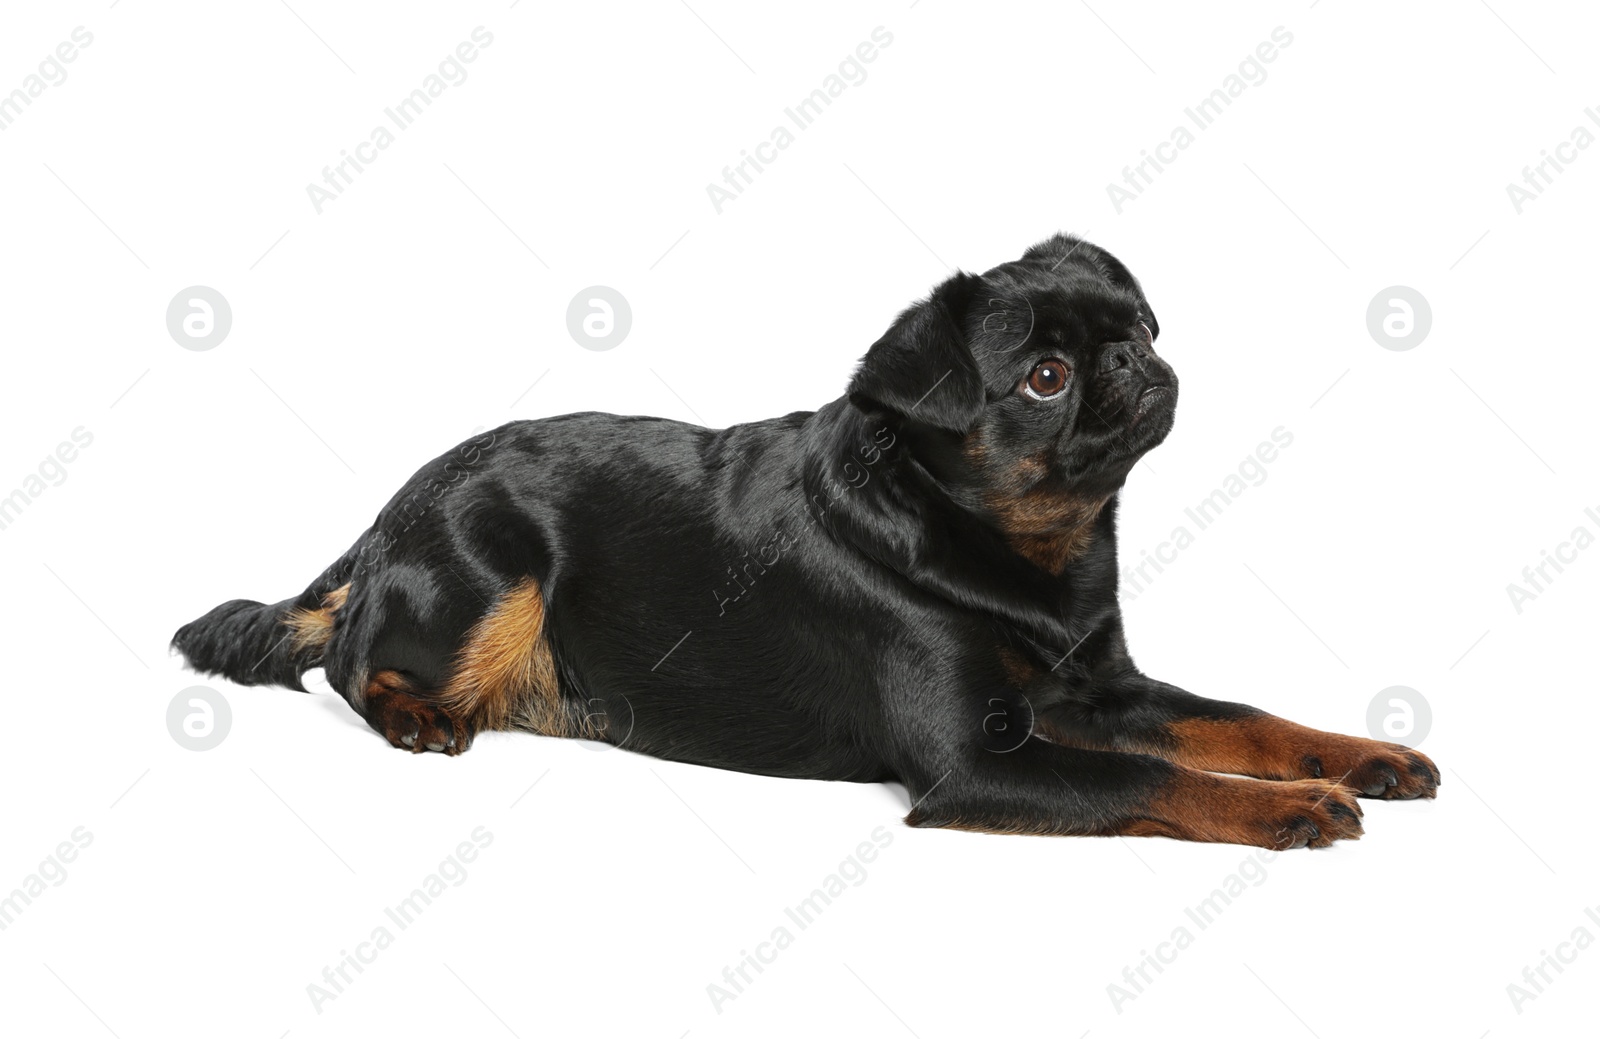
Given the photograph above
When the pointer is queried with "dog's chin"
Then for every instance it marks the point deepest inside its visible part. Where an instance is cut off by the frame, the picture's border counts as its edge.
(1104, 466)
(1153, 415)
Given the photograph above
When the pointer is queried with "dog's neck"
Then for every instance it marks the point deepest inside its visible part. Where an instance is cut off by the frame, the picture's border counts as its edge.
(1049, 528)
(926, 519)
(1042, 516)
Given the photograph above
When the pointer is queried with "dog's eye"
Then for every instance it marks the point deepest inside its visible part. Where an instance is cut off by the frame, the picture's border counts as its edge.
(1047, 379)
(1149, 340)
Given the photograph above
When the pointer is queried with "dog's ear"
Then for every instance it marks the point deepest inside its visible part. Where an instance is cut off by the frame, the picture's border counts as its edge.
(922, 368)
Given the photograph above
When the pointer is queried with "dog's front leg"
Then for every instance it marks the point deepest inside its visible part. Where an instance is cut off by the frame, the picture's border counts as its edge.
(1136, 713)
(1042, 788)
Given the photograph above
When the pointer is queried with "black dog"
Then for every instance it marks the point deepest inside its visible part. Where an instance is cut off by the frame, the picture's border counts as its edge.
(917, 582)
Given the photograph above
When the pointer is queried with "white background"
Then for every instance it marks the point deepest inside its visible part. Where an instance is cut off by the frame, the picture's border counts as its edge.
(413, 310)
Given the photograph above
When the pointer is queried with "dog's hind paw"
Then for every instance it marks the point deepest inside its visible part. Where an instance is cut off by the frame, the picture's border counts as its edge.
(410, 722)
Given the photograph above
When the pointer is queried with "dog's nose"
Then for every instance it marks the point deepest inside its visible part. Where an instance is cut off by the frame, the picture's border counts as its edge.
(1120, 355)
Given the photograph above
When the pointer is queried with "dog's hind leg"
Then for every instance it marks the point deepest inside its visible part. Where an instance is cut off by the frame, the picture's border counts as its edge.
(501, 676)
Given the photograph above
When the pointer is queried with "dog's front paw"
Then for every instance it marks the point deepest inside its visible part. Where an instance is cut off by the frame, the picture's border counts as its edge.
(1383, 770)
(1312, 813)
(1260, 745)
(1370, 767)
(1297, 813)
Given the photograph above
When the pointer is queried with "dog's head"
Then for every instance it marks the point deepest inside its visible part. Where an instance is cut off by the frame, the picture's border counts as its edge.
(1031, 390)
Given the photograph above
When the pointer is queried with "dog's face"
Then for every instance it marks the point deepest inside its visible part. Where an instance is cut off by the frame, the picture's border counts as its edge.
(1033, 387)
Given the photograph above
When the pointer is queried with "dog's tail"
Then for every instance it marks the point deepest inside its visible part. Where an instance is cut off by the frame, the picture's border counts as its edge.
(254, 643)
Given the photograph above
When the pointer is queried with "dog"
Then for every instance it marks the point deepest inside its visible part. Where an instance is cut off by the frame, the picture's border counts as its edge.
(915, 583)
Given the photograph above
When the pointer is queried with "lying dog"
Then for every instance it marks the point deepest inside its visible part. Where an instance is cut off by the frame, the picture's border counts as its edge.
(917, 582)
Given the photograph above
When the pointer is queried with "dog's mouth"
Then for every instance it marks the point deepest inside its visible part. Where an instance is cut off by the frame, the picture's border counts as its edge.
(1153, 397)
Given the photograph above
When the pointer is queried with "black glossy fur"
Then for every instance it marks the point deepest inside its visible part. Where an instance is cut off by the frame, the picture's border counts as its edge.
(917, 583)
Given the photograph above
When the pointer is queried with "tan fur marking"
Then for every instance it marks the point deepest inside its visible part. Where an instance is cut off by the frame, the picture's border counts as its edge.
(1260, 745)
(505, 677)
(313, 628)
(1047, 525)
(1268, 747)
(1049, 528)
(1018, 668)
(1198, 806)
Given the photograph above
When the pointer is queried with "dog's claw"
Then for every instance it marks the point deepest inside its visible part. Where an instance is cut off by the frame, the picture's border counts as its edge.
(416, 724)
